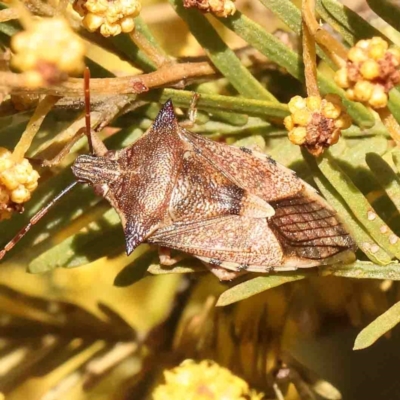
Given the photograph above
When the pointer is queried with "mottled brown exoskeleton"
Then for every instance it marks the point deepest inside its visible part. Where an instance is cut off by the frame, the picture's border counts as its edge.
(233, 208)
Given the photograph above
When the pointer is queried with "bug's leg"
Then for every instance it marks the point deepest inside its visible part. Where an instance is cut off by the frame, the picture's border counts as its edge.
(223, 274)
(164, 253)
(96, 146)
(192, 112)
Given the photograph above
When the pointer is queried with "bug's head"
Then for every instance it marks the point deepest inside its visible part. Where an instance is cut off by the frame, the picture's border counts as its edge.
(95, 170)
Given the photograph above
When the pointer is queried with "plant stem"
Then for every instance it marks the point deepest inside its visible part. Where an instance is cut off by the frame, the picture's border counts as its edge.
(334, 49)
(158, 58)
(309, 58)
(168, 75)
(34, 124)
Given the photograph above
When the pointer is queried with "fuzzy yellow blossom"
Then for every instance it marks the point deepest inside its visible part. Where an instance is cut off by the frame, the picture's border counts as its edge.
(17, 181)
(205, 380)
(372, 70)
(316, 123)
(221, 8)
(48, 51)
(111, 17)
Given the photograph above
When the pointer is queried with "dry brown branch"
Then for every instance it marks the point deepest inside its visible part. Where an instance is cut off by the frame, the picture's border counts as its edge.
(334, 49)
(43, 108)
(157, 57)
(165, 76)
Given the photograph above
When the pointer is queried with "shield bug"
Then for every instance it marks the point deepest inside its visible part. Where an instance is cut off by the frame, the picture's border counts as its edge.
(233, 208)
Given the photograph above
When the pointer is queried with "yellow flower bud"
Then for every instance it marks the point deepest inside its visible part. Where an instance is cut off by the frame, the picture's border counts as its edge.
(377, 51)
(62, 43)
(203, 380)
(17, 181)
(378, 98)
(301, 117)
(92, 22)
(110, 17)
(330, 110)
(313, 103)
(298, 135)
(342, 78)
(357, 55)
(363, 90)
(378, 41)
(363, 44)
(20, 195)
(370, 69)
(288, 122)
(343, 122)
(296, 103)
(127, 25)
(108, 30)
(350, 94)
(8, 179)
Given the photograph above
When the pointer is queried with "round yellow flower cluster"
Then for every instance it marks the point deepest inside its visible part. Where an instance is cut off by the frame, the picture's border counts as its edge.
(221, 8)
(205, 380)
(17, 182)
(371, 71)
(316, 123)
(48, 50)
(112, 17)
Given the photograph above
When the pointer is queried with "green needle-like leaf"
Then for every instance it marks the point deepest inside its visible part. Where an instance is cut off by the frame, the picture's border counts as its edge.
(276, 51)
(364, 241)
(384, 323)
(359, 205)
(388, 10)
(214, 102)
(357, 270)
(349, 24)
(291, 16)
(255, 286)
(386, 177)
(221, 55)
(98, 239)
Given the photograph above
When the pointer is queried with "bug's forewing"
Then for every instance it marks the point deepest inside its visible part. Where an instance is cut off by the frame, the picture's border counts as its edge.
(202, 192)
(148, 172)
(303, 231)
(252, 171)
(231, 241)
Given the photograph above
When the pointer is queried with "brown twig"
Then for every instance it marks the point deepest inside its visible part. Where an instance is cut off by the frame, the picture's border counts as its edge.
(310, 65)
(333, 48)
(157, 57)
(309, 55)
(165, 76)
(34, 124)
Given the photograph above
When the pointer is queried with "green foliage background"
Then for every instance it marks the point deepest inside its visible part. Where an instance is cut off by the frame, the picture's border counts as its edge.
(243, 105)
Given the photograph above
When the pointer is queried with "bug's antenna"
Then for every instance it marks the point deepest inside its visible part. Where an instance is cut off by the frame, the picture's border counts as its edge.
(86, 76)
(41, 213)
